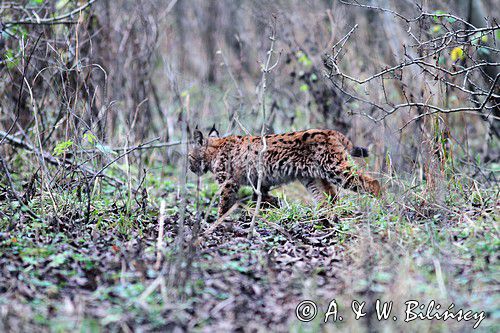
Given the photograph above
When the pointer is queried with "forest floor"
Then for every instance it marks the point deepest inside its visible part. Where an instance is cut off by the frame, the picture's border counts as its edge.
(64, 273)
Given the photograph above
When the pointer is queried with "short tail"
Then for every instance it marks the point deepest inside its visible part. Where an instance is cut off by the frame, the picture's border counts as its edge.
(359, 152)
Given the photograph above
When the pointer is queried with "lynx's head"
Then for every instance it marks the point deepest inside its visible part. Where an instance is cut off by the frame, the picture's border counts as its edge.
(201, 153)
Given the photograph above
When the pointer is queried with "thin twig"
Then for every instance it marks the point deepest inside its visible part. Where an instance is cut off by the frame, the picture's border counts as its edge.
(128, 151)
(18, 102)
(267, 68)
(159, 243)
(52, 20)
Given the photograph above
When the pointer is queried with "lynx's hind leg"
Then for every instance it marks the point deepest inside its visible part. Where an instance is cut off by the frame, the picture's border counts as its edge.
(330, 190)
(320, 189)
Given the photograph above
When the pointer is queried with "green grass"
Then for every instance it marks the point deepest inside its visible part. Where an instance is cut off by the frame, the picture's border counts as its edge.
(419, 241)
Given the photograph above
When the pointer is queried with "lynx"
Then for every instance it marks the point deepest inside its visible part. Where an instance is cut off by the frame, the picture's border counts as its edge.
(318, 158)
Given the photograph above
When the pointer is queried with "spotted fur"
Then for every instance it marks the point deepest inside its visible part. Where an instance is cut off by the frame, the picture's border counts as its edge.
(319, 159)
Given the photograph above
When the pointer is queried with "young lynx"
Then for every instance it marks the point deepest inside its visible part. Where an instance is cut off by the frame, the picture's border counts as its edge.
(317, 158)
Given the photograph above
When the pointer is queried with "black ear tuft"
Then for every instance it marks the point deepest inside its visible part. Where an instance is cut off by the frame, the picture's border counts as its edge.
(213, 132)
(198, 136)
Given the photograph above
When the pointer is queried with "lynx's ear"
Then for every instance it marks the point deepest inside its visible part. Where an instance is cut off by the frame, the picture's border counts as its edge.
(198, 137)
(213, 132)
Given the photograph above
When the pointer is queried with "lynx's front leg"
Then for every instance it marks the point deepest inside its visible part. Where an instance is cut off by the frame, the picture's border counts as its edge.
(228, 196)
(267, 198)
(228, 188)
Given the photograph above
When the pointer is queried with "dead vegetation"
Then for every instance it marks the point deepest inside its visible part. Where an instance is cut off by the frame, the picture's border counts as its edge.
(103, 229)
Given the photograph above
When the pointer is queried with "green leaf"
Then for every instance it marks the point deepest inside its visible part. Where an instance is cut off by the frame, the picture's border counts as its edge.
(304, 87)
(105, 149)
(483, 51)
(20, 31)
(58, 260)
(90, 137)
(303, 59)
(438, 12)
(383, 276)
(235, 266)
(41, 283)
(11, 59)
(457, 53)
(62, 147)
(478, 37)
(435, 29)
(29, 260)
(5, 35)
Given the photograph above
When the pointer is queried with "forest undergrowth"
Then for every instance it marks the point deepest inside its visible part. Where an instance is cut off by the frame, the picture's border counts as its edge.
(104, 229)
(74, 270)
